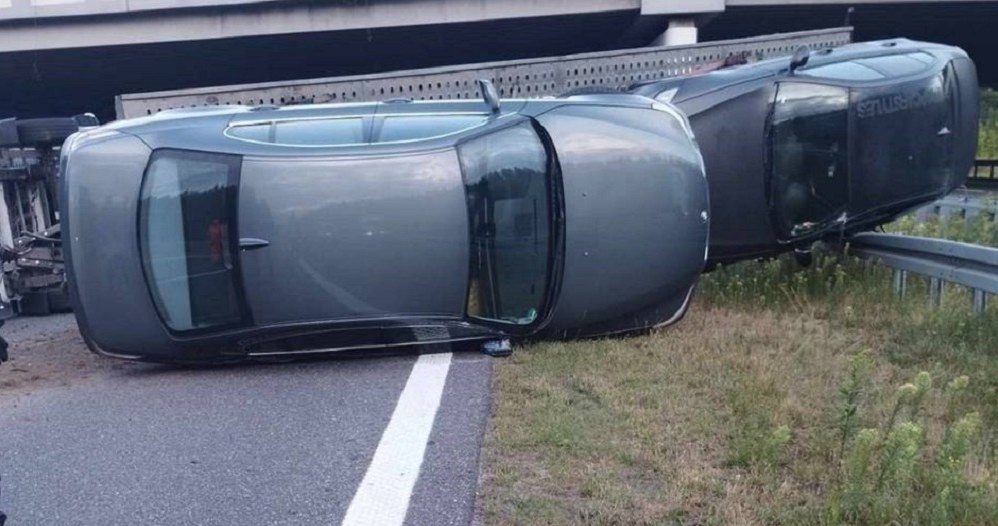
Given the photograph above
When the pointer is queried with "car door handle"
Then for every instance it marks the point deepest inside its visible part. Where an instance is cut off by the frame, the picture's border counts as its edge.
(252, 243)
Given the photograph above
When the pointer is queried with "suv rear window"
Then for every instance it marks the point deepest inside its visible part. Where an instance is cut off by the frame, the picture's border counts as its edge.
(188, 240)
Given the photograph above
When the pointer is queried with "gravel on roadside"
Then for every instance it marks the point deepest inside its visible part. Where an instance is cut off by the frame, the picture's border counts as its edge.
(46, 351)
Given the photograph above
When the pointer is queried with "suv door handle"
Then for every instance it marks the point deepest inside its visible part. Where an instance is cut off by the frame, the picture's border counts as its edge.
(252, 243)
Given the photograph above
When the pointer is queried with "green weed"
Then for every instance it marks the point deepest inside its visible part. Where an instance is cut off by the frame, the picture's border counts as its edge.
(894, 474)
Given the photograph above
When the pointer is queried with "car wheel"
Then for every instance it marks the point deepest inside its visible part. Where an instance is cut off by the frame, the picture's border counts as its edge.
(803, 258)
(45, 132)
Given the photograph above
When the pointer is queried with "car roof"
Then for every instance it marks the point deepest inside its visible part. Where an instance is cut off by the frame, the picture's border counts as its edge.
(232, 114)
(205, 127)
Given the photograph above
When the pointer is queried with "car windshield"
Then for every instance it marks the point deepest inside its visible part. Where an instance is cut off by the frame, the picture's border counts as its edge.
(508, 196)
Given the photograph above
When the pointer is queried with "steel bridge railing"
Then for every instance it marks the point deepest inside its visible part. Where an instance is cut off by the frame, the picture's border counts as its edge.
(513, 79)
(941, 260)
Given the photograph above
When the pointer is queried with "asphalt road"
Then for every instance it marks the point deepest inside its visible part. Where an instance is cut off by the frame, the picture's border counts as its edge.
(100, 442)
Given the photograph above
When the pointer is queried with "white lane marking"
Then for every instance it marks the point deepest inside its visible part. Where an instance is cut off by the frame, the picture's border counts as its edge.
(383, 496)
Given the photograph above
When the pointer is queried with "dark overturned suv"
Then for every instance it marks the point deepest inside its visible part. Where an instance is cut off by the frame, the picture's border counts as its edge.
(827, 143)
(237, 232)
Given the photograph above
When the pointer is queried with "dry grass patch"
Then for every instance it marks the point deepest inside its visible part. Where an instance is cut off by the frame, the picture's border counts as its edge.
(735, 415)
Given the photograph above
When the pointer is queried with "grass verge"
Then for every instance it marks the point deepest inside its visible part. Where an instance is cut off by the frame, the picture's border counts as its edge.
(786, 396)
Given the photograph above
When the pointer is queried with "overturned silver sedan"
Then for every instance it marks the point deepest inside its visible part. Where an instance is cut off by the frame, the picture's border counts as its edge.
(237, 232)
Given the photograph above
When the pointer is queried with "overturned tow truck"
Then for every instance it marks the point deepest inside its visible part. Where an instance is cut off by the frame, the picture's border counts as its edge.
(33, 275)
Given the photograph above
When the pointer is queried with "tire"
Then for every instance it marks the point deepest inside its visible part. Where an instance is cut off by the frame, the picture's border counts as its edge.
(804, 258)
(590, 90)
(45, 132)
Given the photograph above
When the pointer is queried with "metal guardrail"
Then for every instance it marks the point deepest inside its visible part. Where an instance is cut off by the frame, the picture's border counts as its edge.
(965, 204)
(519, 78)
(943, 261)
(984, 174)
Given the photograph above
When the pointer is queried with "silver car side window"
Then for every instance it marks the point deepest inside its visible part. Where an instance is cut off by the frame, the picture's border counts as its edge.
(187, 239)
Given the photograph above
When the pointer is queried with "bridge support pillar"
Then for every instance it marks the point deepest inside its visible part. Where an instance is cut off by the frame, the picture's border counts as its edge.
(681, 31)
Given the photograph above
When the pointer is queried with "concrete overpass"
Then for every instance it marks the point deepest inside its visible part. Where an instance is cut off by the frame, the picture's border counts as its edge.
(32, 25)
(66, 56)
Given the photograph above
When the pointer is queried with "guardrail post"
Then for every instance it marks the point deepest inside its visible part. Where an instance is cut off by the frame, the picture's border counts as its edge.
(979, 300)
(935, 292)
(900, 282)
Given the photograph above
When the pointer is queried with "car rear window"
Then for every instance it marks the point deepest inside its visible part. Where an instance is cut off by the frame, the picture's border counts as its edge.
(508, 194)
(188, 240)
(419, 127)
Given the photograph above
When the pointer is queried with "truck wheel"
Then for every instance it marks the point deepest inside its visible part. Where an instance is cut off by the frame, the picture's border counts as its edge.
(45, 132)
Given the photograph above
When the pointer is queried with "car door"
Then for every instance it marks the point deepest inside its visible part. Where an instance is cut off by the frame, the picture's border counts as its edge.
(355, 234)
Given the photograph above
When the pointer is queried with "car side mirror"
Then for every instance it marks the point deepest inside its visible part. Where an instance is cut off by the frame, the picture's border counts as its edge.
(490, 94)
(800, 58)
